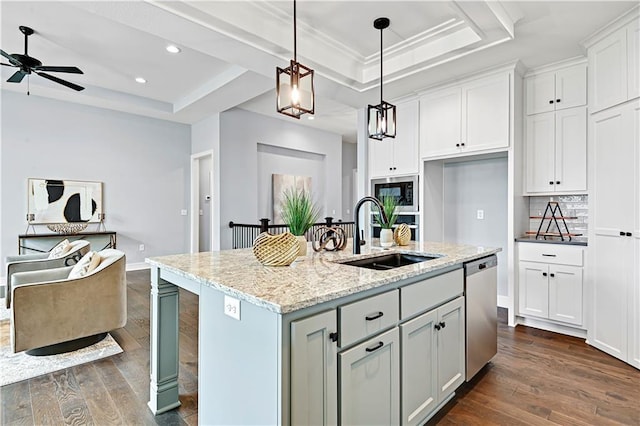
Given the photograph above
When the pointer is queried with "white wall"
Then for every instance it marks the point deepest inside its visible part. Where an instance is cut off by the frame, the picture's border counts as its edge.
(349, 163)
(142, 162)
(470, 186)
(239, 172)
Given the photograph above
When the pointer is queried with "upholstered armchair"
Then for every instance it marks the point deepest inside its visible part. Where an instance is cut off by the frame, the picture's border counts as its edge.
(39, 261)
(52, 313)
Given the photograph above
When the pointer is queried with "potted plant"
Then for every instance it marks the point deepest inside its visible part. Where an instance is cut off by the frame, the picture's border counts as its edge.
(299, 212)
(389, 205)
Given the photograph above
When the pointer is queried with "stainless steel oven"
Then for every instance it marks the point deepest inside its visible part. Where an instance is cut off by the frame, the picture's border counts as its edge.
(404, 189)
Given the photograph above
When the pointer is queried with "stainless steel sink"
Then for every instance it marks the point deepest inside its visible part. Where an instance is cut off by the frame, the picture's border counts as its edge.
(389, 261)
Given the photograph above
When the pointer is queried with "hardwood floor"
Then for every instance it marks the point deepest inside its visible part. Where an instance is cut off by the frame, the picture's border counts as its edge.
(537, 378)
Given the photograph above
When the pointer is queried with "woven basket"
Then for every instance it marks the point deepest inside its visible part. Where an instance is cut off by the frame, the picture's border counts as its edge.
(402, 234)
(68, 228)
(276, 250)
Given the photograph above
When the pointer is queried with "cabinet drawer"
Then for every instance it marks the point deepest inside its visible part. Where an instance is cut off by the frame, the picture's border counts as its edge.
(551, 253)
(366, 317)
(431, 292)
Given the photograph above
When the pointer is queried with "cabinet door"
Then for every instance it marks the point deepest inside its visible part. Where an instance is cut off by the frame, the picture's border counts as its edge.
(633, 60)
(608, 70)
(440, 123)
(540, 93)
(571, 87)
(565, 294)
(571, 150)
(533, 289)
(381, 157)
(634, 308)
(405, 151)
(451, 361)
(314, 371)
(419, 368)
(370, 382)
(540, 152)
(485, 106)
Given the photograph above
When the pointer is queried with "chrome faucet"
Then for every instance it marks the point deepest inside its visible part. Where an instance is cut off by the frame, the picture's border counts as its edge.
(357, 241)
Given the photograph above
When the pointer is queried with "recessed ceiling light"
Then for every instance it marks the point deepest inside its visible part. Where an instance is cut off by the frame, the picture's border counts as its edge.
(311, 117)
(173, 49)
(141, 80)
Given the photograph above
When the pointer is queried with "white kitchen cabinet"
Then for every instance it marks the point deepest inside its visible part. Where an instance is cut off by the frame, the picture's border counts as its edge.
(370, 381)
(550, 282)
(314, 370)
(556, 146)
(556, 90)
(614, 67)
(470, 117)
(614, 231)
(397, 156)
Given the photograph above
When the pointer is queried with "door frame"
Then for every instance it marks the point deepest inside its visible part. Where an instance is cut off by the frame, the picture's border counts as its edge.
(195, 206)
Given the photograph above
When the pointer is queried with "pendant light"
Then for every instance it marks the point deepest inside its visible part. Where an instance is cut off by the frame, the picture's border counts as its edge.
(294, 85)
(382, 117)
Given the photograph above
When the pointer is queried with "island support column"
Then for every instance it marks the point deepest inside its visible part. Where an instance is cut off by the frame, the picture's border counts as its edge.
(163, 392)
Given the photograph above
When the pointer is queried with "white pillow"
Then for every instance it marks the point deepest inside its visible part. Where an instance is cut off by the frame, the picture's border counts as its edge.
(60, 249)
(86, 265)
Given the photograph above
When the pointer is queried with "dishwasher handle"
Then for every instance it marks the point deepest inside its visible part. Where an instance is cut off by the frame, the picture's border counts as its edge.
(480, 265)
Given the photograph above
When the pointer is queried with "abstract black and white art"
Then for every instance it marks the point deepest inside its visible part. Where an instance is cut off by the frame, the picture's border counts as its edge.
(64, 201)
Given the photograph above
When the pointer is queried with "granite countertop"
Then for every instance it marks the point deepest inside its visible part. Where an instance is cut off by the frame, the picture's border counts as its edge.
(575, 241)
(310, 280)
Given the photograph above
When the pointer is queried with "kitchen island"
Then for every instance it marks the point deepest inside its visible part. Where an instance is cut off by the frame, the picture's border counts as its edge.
(316, 341)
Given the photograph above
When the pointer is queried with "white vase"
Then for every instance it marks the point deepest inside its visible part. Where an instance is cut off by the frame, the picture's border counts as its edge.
(386, 237)
(303, 245)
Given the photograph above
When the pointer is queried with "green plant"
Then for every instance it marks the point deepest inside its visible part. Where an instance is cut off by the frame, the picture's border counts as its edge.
(298, 211)
(389, 205)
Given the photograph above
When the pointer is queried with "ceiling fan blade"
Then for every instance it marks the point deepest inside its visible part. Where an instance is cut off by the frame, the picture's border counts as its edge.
(60, 81)
(73, 70)
(8, 65)
(10, 58)
(17, 77)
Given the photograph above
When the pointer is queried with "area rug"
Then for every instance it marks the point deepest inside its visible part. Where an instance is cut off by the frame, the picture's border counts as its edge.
(17, 367)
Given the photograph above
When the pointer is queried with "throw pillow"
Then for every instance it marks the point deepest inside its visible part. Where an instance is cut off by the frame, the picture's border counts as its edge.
(59, 249)
(86, 265)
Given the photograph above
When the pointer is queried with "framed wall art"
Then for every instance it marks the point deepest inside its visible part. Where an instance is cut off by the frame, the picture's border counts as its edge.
(63, 201)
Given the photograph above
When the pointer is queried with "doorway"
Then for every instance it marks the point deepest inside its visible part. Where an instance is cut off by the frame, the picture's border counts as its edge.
(201, 201)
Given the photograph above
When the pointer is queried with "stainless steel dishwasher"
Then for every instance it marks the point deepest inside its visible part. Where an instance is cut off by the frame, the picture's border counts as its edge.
(480, 288)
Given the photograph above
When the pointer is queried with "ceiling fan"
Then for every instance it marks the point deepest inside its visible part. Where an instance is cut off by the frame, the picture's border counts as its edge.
(28, 64)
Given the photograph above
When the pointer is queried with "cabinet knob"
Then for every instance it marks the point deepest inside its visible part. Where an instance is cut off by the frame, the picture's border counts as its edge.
(462, 144)
(622, 233)
(437, 327)
(333, 336)
(544, 274)
(457, 144)
(557, 182)
(629, 234)
(551, 101)
(552, 275)
(443, 324)
(550, 182)
(557, 101)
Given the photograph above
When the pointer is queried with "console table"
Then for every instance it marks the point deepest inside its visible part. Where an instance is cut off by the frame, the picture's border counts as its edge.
(42, 243)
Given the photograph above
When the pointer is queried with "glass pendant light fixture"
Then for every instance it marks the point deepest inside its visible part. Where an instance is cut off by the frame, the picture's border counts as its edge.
(294, 85)
(382, 117)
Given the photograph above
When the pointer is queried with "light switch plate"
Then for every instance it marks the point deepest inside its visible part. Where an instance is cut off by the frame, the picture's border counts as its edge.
(232, 307)
(480, 214)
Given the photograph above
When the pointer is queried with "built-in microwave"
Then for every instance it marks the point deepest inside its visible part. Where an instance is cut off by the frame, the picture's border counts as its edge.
(404, 189)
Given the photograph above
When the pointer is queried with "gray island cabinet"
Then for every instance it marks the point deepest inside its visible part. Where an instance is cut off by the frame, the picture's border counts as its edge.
(317, 342)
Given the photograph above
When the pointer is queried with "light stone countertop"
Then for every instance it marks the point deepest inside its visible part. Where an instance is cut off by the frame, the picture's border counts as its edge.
(310, 280)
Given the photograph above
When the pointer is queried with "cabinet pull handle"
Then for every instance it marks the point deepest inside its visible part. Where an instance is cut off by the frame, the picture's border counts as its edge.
(629, 234)
(333, 336)
(548, 255)
(375, 348)
(622, 233)
(552, 275)
(376, 316)
(557, 101)
(443, 324)
(551, 101)
(544, 274)
(437, 327)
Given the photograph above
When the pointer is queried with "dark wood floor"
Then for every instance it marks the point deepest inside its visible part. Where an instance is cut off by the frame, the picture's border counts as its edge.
(537, 378)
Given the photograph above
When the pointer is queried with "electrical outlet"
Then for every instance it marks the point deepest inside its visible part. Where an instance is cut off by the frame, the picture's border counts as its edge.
(183, 212)
(232, 307)
(480, 214)
(141, 247)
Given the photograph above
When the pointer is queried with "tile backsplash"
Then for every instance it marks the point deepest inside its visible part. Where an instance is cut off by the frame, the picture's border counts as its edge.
(571, 205)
